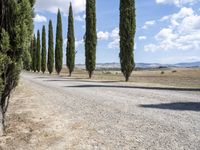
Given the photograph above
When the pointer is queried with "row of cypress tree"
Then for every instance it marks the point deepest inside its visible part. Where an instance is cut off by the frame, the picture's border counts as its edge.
(38, 54)
(127, 33)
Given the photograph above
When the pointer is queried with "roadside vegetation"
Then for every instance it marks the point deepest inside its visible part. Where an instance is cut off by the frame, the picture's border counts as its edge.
(16, 28)
(127, 33)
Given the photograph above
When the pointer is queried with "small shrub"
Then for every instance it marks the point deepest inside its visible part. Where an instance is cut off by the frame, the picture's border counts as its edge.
(174, 71)
(108, 72)
(162, 72)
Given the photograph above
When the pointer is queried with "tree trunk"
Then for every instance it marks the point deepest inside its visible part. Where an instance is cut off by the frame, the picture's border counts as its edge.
(90, 75)
(1, 122)
(127, 78)
(70, 74)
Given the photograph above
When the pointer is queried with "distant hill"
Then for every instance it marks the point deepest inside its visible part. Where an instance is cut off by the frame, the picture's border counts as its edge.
(178, 65)
(145, 65)
(188, 65)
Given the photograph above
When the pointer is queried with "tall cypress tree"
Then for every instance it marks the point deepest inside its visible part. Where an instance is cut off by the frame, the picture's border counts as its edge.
(34, 60)
(16, 27)
(90, 36)
(127, 34)
(31, 52)
(43, 61)
(38, 58)
(50, 63)
(70, 55)
(59, 44)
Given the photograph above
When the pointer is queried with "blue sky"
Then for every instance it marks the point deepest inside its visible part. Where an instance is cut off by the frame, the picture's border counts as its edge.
(168, 31)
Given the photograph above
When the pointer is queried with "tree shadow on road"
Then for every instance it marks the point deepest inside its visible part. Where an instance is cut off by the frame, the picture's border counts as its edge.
(181, 106)
(134, 87)
(79, 80)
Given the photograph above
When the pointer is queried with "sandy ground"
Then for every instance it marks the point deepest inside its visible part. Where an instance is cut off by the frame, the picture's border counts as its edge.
(61, 113)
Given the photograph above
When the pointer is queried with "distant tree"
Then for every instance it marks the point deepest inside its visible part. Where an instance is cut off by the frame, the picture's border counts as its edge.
(50, 63)
(34, 57)
(38, 58)
(44, 59)
(59, 44)
(31, 53)
(90, 37)
(70, 55)
(127, 34)
(26, 56)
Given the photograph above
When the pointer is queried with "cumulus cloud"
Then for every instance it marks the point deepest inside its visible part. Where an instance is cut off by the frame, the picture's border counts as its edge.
(53, 5)
(114, 35)
(80, 18)
(78, 43)
(39, 18)
(178, 3)
(148, 24)
(114, 44)
(142, 37)
(183, 32)
(103, 35)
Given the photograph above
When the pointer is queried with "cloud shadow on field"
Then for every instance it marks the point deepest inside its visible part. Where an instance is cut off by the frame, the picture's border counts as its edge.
(134, 87)
(181, 106)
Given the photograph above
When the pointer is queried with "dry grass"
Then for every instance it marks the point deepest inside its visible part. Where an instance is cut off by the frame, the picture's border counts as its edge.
(186, 78)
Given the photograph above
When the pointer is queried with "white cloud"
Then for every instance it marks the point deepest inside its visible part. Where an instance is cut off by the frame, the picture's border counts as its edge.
(114, 44)
(78, 43)
(39, 18)
(80, 18)
(114, 35)
(165, 33)
(148, 24)
(103, 35)
(184, 12)
(183, 33)
(178, 3)
(142, 37)
(53, 5)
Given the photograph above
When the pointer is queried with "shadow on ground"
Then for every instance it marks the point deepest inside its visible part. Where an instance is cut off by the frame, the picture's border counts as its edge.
(134, 87)
(79, 80)
(182, 106)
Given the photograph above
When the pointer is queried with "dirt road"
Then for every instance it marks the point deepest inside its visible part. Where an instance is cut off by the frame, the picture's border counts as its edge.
(51, 112)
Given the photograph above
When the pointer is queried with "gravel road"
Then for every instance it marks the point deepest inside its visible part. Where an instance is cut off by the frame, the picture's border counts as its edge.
(87, 114)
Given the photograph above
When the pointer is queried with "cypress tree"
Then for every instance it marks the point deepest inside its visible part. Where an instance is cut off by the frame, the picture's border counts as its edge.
(43, 61)
(59, 44)
(50, 63)
(16, 28)
(38, 58)
(31, 53)
(90, 36)
(127, 34)
(34, 60)
(70, 55)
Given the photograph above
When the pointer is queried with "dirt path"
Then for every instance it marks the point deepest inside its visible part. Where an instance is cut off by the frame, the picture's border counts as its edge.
(62, 113)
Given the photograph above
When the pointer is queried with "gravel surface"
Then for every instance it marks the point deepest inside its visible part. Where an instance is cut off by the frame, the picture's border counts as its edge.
(86, 114)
